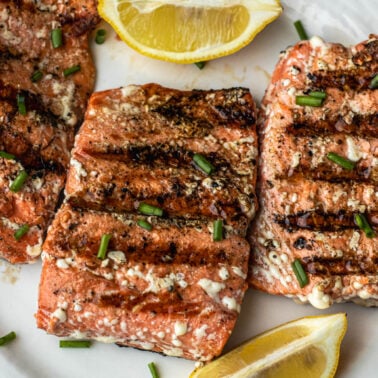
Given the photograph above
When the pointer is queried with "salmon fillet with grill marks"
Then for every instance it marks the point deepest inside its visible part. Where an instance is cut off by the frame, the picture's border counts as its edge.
(309, 202)
(42, 138)
(171, 289)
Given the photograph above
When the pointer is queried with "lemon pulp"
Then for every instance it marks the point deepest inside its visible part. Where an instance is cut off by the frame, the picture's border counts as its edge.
(191, 30)
(307, 347)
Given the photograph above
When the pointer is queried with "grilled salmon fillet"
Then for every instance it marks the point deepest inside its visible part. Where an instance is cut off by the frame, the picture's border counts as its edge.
(171, 289)
(41, 135)
(310, 203)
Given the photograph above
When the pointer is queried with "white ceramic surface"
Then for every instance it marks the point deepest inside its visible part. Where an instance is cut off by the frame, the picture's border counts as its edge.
(37, 355)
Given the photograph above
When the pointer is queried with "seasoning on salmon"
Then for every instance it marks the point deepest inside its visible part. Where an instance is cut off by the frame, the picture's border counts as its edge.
(39, 112)
(131, 256)
(318, 224)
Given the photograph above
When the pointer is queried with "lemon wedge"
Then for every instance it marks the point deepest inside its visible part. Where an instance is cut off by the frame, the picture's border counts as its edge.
(308, 347)
(188, 31)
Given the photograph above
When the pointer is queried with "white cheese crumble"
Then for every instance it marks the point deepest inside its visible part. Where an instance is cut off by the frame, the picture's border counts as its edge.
(223, 273)
(180, 328)
(62, 264)
(212, 288)
(318, 298)
(231, 303)
(317, 42)
(79, 170)
(353, 243)
(239, 272)
(353, 152)
(7, 223)
(200, 332)
(117, 256)
(129, 90)
(77, 307)
(60, 314)
(161, 335)
(295, 160)
(34, 250)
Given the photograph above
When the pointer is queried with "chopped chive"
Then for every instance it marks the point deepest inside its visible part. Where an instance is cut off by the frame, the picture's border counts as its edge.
(203, 163)
(153, 370)
(7, 338)
(56, 38)
(21, 232)
(300, 30)
(19, 181)
(100, 36)
(101, 254)
(200, 65)
(364, 225)
(308, 101)
(36, 76)
(5, 155)
(74, 343)
(374, 82)
(147, 209)
(318, 94)
(144, 224)
(71, 70)
(218, 230)
(299, 273)
(343, 162)
(21, 104)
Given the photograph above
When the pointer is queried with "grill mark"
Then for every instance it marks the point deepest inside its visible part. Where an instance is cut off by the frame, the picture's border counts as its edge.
(6, 55)
(320, 221)
(15, 140)
(368, 55)
(362, 125)
(190, 207)
(140, 247)
(30, 157)
(148, 252)
(231, 110)
(33, 103)
(77, 26)
(150, 302)
(191, 126)
(330, 267)
(341, 79)
(328, 172)
(156, 155)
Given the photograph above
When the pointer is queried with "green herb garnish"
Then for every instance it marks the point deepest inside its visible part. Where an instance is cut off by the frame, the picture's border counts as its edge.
(300, 273)
(202, 163)
(300, 30)
(218, 230)
(56, 37)
(24, 229)
(147, 209)
(100, 36)
(101, 254)
(343, 162)
(74, 343)
(144, 224)
(71, 70)
(7, 338)
(364, 225)
(19, 181)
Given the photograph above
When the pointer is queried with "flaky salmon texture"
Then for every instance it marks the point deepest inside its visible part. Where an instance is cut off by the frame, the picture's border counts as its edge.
(308, 202)
(40, 108)
(170, 289)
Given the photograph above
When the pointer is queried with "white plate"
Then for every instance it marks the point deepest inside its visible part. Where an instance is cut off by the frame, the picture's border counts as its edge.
(36, 355)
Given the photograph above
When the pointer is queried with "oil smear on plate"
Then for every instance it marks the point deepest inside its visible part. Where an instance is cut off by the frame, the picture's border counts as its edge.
(9, 273)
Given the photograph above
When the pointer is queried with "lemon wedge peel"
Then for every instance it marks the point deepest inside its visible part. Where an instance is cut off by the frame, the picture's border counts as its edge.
(310, 340)
(139, 25)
